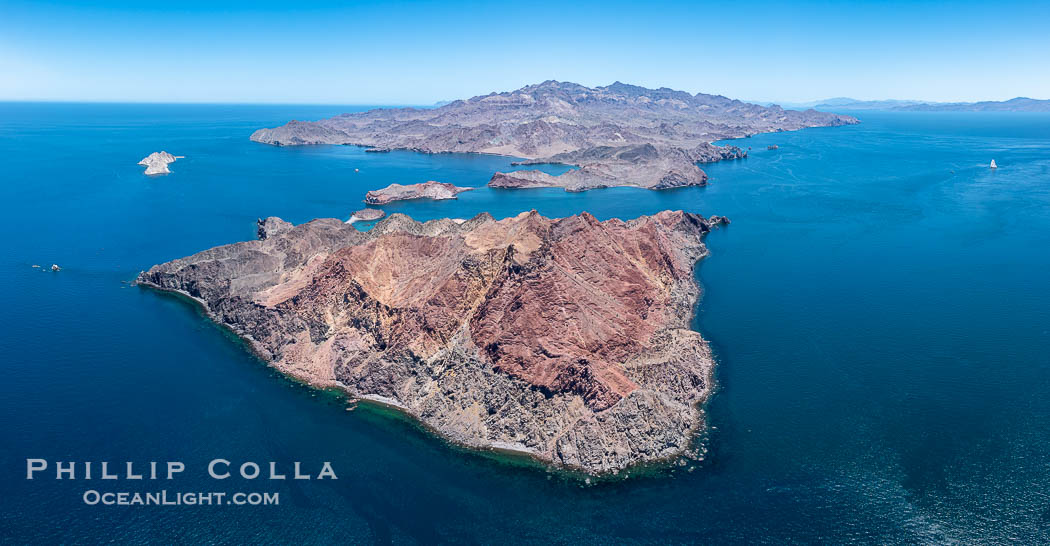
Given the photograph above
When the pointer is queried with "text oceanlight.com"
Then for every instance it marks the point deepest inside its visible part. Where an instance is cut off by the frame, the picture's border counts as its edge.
(165, 498)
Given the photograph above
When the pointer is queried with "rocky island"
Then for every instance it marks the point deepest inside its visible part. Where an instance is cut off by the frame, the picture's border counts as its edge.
(366, 215)
(617, 135)
(568, 339)
(426, 190)
(157, 162)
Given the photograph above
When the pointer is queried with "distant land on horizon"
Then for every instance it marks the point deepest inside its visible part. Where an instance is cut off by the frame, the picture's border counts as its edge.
(615, 135)
(1017, 104)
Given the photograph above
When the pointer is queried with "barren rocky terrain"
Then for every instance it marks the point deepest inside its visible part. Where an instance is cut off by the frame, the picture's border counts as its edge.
(157, 163)
(426, 190)
(367, 215)
(618, 135)
(568, 339)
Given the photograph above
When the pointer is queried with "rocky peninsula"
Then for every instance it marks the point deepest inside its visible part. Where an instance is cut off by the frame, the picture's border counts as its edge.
(641, 165)
(568, 339)
(427, 190)
(157, 162)
(617, 135)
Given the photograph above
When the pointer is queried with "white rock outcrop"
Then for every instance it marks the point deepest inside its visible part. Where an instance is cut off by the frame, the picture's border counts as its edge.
(157, 162)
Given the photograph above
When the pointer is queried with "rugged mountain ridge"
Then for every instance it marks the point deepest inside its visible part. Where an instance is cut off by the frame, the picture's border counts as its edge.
(600, 130)
(564, 338)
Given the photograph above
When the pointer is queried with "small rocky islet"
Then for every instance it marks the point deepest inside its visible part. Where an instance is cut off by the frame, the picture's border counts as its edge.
(426, 190)
(157, 162)
(568, 338)
(366, 215)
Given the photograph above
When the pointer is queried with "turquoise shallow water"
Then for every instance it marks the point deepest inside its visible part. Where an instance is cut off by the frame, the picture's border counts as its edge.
(879, 308)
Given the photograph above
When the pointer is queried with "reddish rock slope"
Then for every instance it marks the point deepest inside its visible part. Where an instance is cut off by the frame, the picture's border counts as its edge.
(565, 338)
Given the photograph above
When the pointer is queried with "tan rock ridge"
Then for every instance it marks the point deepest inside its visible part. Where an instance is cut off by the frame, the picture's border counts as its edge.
(564, 338)
(426, 190)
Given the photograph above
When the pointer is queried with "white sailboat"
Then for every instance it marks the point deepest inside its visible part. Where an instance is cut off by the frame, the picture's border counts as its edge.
(993, 165)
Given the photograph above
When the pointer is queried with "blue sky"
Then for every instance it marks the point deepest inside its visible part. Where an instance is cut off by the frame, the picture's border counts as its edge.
(422, 52)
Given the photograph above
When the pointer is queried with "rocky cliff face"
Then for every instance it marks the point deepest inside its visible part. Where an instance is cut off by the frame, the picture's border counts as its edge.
(597, 129)
(565, 338)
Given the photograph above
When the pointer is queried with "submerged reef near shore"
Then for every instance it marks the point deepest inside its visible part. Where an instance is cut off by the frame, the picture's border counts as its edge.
(568, 339)
(617, 135)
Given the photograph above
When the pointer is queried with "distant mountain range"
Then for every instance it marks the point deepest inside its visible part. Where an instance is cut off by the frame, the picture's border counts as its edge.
(1019, 104)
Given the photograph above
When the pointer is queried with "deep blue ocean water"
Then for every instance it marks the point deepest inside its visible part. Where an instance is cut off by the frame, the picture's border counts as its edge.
(879, 307)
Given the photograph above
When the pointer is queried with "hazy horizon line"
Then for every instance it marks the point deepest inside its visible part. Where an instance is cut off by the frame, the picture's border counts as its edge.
(251, 102)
